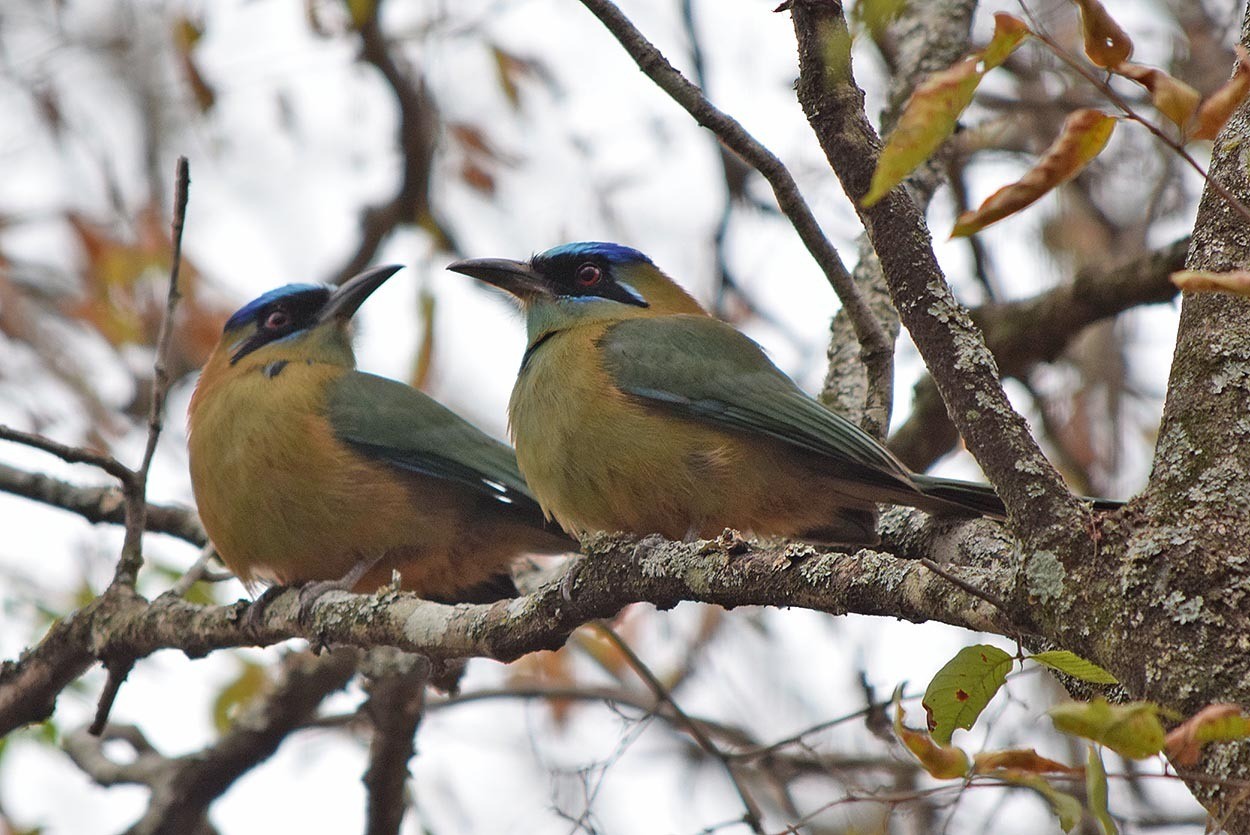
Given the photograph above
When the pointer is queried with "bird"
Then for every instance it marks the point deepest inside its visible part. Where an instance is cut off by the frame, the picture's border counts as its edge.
(307, 470)
(636, 411)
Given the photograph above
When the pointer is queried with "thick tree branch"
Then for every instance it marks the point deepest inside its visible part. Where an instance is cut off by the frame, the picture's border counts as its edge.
(395, 682)
(1022, 334)
(614, 573)
(1042, 510)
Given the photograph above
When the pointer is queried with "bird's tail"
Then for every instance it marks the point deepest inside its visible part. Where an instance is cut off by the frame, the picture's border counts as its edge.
(981, 499)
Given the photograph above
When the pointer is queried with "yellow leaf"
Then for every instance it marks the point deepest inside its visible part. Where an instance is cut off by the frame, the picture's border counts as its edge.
(1131, 730)
(1085, 133)
(1018, 759)
(1234, 281)
(1106, 44)
(930, 114)
(1215, 110)
(945, 762)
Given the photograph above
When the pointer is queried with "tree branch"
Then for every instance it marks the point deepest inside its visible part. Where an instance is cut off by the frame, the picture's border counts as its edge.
(1047, 516)
(1022, 334)
(184, 787)
(100, 504)
(614, 573)
(395, 682)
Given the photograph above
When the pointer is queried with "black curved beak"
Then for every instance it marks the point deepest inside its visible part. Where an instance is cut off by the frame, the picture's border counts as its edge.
(517, 277)
(351, 294)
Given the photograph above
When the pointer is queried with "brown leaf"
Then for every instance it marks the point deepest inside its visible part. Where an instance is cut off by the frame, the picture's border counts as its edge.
(1018, 759)
(1106, 44)
(1219, 106)
(1174, 98)
(1084, 135)
(1214, 723)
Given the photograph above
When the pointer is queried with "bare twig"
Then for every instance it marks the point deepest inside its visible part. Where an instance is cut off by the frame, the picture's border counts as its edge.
(135, 487)
(876, 349)
(417, 139)
(184, 787)
(100, 504)
(752, 817)
(198, 571)
(67, 453)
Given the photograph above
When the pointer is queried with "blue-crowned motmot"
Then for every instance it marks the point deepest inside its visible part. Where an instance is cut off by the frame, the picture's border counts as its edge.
(305, 469)
(634, 410)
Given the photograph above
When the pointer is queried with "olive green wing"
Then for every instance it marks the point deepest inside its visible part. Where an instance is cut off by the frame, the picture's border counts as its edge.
(704, 369)
(392, 422)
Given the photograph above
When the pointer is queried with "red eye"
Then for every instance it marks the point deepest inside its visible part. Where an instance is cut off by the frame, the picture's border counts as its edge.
(277, 320)
(587, 275)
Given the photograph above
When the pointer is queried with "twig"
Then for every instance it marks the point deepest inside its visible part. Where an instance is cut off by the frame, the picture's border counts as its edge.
(184, 787)
(118, 669)
(135, 487)
(99, 504)
(67, 453)
(416, 138)
(198, 571)
(1127, 109)
(752, 817)
(876, 349)
(991, 599)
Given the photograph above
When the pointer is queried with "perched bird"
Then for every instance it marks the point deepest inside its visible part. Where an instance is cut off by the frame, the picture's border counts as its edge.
(306, 469)
(634, 410)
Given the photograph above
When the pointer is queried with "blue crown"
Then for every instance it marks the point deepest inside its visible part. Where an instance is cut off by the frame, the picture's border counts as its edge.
(612, 253)
(248, 311)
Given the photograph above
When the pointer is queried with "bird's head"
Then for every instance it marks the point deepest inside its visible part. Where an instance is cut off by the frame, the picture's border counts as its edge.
(298, 322)
(590, 280)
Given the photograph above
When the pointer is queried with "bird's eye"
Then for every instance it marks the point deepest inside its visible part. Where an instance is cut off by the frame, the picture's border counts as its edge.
(588, 275)
(277, 320)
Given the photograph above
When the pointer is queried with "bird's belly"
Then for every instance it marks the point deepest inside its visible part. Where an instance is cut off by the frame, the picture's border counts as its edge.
(597, 460)
(283, 500)
(600, 460)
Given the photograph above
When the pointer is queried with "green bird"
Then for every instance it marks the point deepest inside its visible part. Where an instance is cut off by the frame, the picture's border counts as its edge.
(305, 469)
(636, 411)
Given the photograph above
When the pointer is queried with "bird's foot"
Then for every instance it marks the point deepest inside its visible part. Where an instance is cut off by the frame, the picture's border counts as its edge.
(253, 617)
(312, 591)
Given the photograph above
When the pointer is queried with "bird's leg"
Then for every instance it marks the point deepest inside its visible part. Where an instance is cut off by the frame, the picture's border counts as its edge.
(312, 591)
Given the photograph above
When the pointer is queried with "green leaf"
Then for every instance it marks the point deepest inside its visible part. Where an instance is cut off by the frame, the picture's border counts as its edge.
(1074, 665)
(1096, 792)
(1131, 730)
(1066, 807)
(962, 689)
(252, 679)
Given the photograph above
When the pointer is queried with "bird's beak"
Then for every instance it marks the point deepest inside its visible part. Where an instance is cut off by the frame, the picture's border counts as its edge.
(351, 294)
(517, 277)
